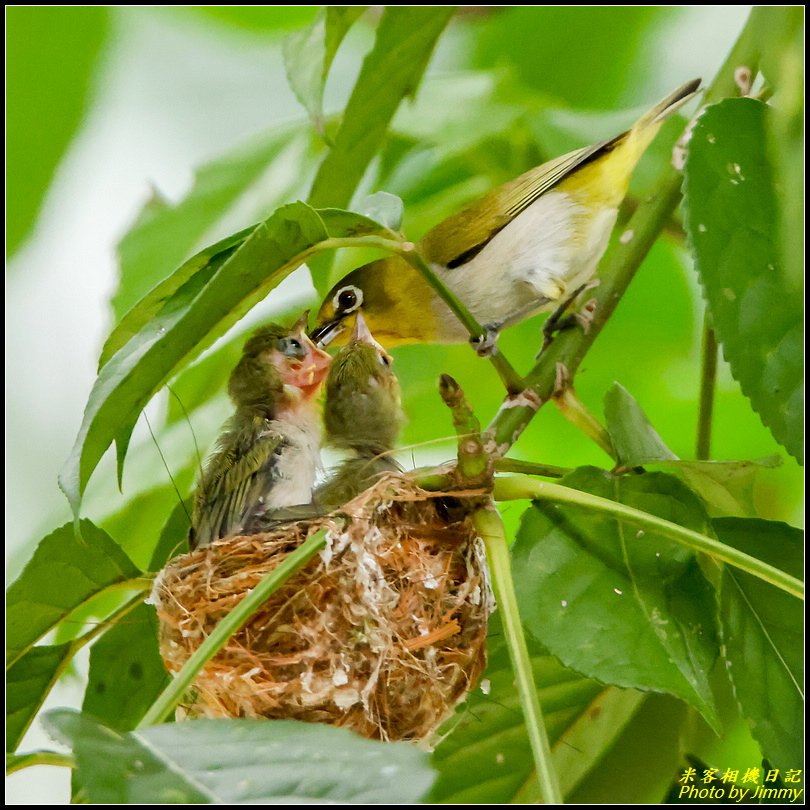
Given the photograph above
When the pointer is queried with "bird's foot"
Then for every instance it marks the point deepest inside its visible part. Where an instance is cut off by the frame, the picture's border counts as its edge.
(486, 344)
(559, 321)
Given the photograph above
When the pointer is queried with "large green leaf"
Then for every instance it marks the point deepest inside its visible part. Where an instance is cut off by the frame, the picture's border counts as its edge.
(65, 572)
(763, 630)
(406, 36)
(203, 307)
(28, 682)
(731, 219)
(240, 762)
(625, 607)
(486, 757)
(126, 671)
(308, 55)
(51, 56)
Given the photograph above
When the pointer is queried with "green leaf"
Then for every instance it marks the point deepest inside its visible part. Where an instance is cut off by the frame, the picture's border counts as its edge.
(731, 219)
(240, 762)
(384, 208)
(762, 630)
(51, 56)
(635, 440)
(485, 756)
(308, 55)
(391, 71)
(65, 572)
(126, 671)
(625, 607)
(199, 311)
(28, 682)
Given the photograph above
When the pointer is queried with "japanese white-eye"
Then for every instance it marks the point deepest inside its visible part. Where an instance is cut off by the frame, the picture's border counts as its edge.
(521, 249)
(268, 452)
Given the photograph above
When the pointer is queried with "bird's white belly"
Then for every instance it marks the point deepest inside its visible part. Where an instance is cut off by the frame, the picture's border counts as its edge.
(543, 254)
(297, 464)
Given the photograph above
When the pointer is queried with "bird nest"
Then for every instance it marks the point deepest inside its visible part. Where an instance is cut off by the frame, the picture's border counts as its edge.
(383, 632)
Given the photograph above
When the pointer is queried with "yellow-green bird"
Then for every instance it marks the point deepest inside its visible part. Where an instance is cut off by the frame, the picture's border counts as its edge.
(268, 454)
(523, 248)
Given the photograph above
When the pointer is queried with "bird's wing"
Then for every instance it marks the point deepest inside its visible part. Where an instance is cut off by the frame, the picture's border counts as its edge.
(458, 238)
(241, 473)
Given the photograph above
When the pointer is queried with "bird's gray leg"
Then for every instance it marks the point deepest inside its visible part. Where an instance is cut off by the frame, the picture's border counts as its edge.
(485, 344)
(558, 320)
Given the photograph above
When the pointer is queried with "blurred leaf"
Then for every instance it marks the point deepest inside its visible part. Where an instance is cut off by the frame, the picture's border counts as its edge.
(28, 682)
(731, 218)
(626, 607)
(51, 56)
(126, 671)
(269, 19)
(253, 180)
(485, 758)
(726, 487)
(763, 630)
(308, 55)
(406, 36)
(571, 52)
(173, 538)
(64, 573)
(207, 304)
(385, 208)
(635, 440)
(240, 762)
(639, 766)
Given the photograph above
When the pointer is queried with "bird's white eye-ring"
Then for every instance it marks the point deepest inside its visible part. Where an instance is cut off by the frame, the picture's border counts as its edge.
(347, 299)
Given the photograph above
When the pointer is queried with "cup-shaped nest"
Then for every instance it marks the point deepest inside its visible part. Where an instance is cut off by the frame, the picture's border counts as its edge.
(383, 632)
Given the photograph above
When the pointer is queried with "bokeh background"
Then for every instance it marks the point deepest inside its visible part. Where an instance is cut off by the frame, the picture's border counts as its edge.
(108, 108)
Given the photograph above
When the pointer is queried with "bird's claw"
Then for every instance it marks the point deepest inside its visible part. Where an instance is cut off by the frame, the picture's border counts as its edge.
(486, 344)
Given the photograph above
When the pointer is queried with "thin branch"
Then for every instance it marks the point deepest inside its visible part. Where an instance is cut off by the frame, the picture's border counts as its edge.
(490, 526)
(708, 378)
(474, 465)
(229, 625)
(516, 465)
(578, 414)
(521, 487)
(17, 762)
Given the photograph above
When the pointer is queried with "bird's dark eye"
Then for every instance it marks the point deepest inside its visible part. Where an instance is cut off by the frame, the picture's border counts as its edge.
(348, 299)
(385, 359)
(290, 347)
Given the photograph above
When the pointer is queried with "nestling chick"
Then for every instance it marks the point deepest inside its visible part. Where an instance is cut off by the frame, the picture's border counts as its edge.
(268, 452)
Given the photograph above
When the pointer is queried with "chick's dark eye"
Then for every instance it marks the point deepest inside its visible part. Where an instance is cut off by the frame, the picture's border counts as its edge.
(385, 359)
(290, 347)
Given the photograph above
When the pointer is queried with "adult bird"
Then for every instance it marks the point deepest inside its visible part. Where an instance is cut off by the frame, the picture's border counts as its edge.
(523, 248)
(268, 453)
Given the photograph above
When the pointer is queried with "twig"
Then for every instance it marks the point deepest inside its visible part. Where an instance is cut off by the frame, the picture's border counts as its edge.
(576, 412)
(474, 465)
(521, 487)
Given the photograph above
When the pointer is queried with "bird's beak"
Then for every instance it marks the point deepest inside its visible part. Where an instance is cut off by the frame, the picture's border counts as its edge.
(313, 368)
(324, 334)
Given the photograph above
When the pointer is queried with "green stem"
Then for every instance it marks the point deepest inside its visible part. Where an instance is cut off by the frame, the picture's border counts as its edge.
(575, 411)
(510, 378)
(516, 465)
(473, 463)
(708, 377)
(522, 487)
(488, 523)
(17, 762)
(230, 624)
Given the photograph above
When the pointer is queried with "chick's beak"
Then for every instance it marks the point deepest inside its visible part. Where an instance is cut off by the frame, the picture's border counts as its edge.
(309, 372)
(362, 333)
